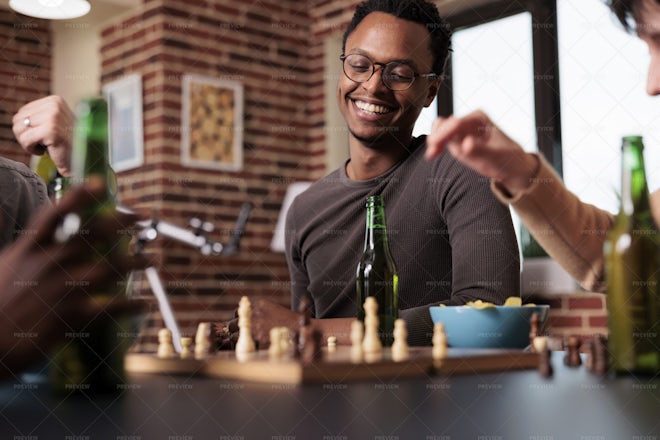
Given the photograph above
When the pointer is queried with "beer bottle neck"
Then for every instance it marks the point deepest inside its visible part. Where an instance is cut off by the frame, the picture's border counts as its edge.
(634, 189)
(376, 233)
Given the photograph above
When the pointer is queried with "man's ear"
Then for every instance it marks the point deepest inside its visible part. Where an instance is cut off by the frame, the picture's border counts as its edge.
(432, 91)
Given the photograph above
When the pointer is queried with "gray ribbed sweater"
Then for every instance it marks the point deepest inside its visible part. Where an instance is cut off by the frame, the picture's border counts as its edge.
(451, 240)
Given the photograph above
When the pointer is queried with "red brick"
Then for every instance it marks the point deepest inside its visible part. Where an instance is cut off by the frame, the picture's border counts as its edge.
(586, 303)
(598, 321)
(556, 321)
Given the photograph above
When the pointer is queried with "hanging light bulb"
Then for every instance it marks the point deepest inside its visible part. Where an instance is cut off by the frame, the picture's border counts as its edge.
(51, 9)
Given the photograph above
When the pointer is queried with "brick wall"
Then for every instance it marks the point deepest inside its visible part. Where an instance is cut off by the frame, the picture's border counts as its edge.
(25, 71)
(581, 313)
(266, 49)
(277, 51)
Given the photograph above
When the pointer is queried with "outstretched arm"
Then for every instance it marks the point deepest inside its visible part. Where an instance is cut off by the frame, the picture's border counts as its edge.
(572, 232)
(482, 146)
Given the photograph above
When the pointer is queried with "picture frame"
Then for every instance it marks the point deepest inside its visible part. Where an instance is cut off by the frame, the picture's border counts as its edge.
(125, 122)
(212, 123)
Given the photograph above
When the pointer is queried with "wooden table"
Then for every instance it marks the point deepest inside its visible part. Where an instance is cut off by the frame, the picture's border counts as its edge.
(573, 404)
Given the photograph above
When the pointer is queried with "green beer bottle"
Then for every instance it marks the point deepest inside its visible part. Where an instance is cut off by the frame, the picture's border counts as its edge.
(92, 359)
(376, 272)
(633, 272)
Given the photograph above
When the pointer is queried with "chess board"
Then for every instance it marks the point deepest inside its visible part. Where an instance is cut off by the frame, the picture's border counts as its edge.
(335, 366)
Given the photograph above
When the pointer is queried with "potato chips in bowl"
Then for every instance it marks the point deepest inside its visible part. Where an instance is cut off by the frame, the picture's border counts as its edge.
(480, 324)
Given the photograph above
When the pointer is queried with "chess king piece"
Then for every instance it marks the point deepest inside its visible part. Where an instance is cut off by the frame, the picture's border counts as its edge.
(203, 344)
(245, 343)
(439, 340)
(371, 343)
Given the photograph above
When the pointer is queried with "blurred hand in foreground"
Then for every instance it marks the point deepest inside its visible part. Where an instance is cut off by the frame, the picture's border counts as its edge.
(47, 275)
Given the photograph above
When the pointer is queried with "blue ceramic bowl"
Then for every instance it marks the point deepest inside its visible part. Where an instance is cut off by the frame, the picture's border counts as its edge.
(492, 327)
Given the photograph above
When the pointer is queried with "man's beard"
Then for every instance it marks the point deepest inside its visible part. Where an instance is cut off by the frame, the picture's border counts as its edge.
(386, 133)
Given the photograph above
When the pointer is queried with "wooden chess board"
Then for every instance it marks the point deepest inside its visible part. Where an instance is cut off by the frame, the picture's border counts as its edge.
(336, 366)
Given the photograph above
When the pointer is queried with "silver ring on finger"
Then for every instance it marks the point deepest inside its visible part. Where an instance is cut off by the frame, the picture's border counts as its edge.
(27, 122)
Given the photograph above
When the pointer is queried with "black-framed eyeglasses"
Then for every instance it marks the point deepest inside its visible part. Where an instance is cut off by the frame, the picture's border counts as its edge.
(395, 75)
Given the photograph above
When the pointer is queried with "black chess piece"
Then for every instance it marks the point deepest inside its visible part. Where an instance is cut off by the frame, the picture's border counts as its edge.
(533, 328)
(600, 355)
(572, 357)
(589, 350)
(304, 323)
(545, 366)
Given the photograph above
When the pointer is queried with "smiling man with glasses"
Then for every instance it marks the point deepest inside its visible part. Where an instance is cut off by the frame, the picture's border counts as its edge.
(452, 241)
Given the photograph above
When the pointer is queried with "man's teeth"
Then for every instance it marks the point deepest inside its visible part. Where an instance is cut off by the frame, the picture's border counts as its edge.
(372, 108)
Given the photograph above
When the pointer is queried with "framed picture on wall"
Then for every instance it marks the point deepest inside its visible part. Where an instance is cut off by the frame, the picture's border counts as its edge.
(125, 133)
(212, 123)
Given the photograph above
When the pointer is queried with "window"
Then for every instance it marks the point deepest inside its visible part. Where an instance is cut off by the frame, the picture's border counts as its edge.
(580, 50)
(603, 78)
(501, 84)
(505, 62)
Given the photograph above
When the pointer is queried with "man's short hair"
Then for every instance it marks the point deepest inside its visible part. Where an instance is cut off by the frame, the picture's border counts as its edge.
(627, 11)
(418, 11)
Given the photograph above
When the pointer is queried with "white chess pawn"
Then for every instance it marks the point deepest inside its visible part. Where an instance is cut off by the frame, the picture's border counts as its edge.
(165, 345)
(371, 342)
(186, 344)
(245, 343)
(540, 344)
(439, 341)
(275, 347)
(285, 340)
(357, 333)
(203, 339)
(332, 343)
(400, 350)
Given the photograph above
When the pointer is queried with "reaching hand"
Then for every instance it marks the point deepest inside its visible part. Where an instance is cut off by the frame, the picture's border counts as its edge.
(46, 125)
(482, 146)
(265, 315)
(45, 279)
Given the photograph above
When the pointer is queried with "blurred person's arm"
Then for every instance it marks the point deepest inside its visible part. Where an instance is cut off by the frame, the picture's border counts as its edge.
(46, 124)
